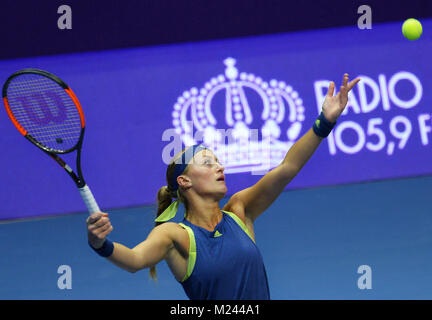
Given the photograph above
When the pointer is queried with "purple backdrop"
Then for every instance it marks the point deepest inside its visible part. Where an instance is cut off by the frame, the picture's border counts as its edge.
(132, 97)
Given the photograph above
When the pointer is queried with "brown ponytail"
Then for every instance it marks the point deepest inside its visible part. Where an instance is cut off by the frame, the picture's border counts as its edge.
(164, 199)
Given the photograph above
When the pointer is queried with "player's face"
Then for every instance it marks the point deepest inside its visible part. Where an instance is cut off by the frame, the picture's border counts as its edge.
(207, 174)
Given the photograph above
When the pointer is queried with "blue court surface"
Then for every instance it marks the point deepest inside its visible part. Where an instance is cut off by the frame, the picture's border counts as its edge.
(313, 242)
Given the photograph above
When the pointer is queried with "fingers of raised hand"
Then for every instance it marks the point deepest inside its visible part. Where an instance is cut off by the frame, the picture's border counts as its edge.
(347, 86)
(331, 89)
(345, 79)
(353, 83)
(344, 87)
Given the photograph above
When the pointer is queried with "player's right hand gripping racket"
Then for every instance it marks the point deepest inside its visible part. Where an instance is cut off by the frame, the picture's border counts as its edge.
(46, 111)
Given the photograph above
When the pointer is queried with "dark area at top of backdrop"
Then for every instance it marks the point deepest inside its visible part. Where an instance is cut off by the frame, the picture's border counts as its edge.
(29, 28)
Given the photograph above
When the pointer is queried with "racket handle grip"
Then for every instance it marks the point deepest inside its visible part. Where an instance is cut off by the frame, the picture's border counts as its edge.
(89, 200)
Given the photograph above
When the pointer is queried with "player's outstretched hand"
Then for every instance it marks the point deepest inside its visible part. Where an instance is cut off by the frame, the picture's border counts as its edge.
(333, 106)
(98, 227)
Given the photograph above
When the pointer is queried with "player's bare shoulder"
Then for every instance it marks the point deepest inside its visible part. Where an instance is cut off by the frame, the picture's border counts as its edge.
(177, 256)
(177, 234)
(236, 206)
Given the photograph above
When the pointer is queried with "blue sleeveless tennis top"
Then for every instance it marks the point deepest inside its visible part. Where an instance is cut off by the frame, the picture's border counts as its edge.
(224, 264)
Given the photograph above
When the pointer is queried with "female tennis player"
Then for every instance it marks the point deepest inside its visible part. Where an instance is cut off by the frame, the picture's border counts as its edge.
(212, 253)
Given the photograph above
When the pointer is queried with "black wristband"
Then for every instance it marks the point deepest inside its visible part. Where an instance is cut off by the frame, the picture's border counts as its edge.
(322, 127)
(106, 250)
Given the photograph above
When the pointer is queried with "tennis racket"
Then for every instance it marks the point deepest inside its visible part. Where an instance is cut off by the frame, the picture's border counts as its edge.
(46, 111)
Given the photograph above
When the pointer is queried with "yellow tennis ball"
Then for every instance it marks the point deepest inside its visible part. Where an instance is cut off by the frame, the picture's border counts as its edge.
(412, 29)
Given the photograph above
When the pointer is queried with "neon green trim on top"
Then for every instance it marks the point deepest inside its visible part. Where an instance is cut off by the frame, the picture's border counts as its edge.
(240, 223)
(192, 252)
(169, 212)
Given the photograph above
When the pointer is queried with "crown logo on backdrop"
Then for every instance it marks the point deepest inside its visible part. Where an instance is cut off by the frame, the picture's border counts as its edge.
(252, 114)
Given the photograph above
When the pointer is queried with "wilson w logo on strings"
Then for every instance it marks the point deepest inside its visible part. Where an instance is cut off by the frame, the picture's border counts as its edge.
(42, 108)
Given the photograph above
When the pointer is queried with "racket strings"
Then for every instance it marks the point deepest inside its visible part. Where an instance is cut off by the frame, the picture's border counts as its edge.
(44, 109)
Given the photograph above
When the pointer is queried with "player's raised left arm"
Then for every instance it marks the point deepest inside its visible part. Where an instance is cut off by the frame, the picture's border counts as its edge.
(256, 199)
